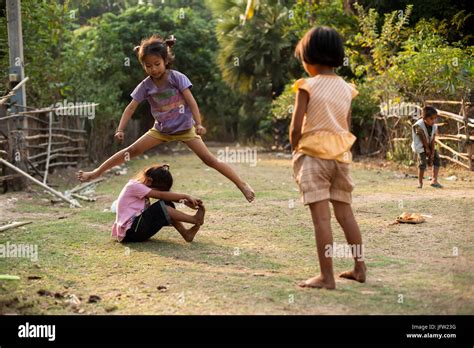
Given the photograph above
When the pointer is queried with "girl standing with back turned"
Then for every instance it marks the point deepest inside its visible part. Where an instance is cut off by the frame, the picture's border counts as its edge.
(321, 143)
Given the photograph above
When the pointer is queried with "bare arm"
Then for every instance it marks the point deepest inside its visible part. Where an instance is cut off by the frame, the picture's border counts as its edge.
(301, 103)
(432, 149)
(188, 96)
(189, 201)
(433, 144)
(422, 136)
(127, 114)
(349, 119)
(167, 196)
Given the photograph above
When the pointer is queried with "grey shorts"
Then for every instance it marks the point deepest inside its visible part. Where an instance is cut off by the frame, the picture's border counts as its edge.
(423, 161)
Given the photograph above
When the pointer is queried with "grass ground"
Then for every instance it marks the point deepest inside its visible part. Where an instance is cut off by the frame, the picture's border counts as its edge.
(248, 258)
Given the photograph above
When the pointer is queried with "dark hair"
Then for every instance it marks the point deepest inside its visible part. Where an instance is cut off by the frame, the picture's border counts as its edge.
(321, 45)
(161, 178)
(429, 111)
(156, 45)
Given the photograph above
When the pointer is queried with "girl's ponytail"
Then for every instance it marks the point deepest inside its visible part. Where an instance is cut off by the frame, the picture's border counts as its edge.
(170, 41)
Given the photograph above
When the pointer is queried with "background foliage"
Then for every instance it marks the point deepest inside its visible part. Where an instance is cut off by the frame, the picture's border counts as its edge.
(241, 63)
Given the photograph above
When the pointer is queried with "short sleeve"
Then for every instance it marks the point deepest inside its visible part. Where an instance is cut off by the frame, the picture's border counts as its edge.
(353, 89)
(139, 93)
(300, 84)
(139, 190)
(418, 130)
(181, 81)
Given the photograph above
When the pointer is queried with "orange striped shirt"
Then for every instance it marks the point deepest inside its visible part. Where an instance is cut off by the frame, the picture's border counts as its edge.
(325, 131)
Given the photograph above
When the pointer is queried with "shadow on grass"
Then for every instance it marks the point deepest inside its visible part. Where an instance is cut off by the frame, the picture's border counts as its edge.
(206, 253)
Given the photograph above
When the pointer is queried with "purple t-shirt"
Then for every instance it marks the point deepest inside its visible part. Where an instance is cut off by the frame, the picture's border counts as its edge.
(168, 107)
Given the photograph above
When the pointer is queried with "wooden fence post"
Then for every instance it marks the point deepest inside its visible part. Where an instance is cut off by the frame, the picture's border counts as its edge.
(17, 156)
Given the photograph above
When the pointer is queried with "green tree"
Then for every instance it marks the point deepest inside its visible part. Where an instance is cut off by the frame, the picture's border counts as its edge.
(254, 56)
(113, 70)
(456, 14)
(47, 29)
(447, 70)
(372, 51)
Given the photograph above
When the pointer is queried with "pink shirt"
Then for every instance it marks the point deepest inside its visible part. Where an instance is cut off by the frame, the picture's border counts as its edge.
(131, 202)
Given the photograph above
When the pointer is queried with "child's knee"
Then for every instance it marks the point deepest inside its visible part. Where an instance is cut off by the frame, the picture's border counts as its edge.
(422, 166)
(322, 219)
(170, 211)
(132, 151)
(422, 161)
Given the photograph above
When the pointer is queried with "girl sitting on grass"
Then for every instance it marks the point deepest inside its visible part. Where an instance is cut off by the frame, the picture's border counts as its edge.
(138, 221)
(175, 111)
(321, 141)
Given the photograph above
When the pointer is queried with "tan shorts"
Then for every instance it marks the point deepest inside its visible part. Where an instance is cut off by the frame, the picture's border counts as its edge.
(321, 179)
(183, 136)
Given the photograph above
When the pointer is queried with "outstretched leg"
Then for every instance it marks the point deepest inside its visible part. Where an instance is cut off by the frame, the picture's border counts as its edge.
(179, 216)
(345, 218)
(200, 149)
(144, 143)
(322, 227)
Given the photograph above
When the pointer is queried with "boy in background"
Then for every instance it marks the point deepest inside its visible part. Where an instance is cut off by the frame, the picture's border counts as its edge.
(424, 132)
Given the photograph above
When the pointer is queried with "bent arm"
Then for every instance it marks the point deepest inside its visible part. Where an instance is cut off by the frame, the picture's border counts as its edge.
(432, 145)
(167, 196)
(434, 138)
(424, 141)
(127, 114)
(189, 98)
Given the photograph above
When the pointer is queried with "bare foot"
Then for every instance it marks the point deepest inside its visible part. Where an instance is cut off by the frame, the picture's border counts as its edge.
(248, 192)
(358, 274)
(319, 283)
(200, 215)
(191, 233)
(87, 176)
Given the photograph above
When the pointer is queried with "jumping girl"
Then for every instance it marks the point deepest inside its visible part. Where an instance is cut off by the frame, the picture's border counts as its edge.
(175, 111)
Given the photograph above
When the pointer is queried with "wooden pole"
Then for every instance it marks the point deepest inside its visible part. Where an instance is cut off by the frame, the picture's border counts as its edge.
(453, 160)
(469, 144)
(82, 186)
(37, 182)
(13, 225)
(15, 44)
(45, 110)
(470, 152)
(10, 94)
(48, 151)
(444, 102)
(459, 154)
(18, 156)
